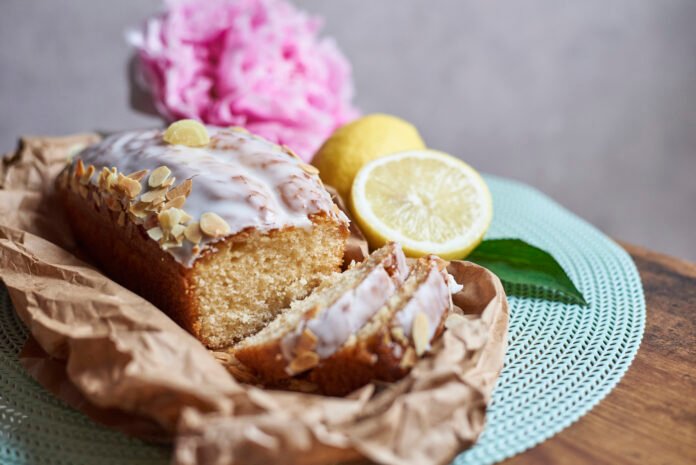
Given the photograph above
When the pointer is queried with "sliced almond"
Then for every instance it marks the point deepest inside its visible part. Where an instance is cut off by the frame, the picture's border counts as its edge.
(101, 179)
(309, 169)
(79, 169)
(107, 179)
(171, 180)
(96, 198)
(213, 225)
(306, 342)
(408, 359)
(185, 217)
(138, 209)
(165, 221)
(155, 233)
(193, 233)
(158, 176)
(183, 189)
(454, 320)
(176, 202)
(129, 186)
(170, 218)
(290, 152)
(121, 218)
(177, 232)
(397, 332)
(420, 333)
(303, 362)
(87, 176)
(154, 195)
(138, 175)
(84, 192)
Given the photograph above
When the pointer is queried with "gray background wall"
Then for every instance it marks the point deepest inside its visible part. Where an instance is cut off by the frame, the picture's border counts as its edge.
(593, 102)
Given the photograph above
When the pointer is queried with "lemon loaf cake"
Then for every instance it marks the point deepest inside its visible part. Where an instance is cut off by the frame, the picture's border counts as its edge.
(390, 343)
(314, 328)
(217, 227)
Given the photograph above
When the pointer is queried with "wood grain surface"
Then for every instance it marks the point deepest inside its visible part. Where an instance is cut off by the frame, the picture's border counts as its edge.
(650, 417)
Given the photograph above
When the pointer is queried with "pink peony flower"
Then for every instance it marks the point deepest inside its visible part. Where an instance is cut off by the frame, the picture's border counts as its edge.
(253, 63)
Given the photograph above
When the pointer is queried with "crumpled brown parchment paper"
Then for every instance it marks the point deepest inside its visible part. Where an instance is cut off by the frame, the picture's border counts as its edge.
(114, 356)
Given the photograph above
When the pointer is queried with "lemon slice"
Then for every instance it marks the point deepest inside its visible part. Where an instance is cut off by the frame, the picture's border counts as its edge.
(430, 202)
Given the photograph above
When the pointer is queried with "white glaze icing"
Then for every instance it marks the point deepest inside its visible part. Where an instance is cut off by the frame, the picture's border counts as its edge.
(350, 312)
(453, 285)
(432, 297)
(345, 316)
(246, 180)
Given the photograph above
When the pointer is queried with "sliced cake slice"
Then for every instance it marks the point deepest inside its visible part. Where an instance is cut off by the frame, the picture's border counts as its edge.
(314, 328)
(389, 344)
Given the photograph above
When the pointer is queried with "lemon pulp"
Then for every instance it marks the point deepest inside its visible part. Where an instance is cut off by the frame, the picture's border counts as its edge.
(427, 200)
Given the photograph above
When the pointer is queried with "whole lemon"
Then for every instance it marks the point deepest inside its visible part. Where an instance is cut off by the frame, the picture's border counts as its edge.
(361, 141)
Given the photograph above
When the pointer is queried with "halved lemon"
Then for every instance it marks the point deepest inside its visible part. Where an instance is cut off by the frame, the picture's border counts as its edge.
(429, 201)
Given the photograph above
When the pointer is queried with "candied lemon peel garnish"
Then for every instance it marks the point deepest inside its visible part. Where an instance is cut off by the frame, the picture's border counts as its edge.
(188, 132)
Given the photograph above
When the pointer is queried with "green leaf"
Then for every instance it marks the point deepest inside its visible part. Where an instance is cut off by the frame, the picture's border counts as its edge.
(516, 262)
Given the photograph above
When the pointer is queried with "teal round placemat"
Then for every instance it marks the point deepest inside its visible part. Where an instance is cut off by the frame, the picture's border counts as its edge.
(562, 358)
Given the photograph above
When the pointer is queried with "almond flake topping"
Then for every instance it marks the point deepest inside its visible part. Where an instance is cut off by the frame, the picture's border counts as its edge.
(87, 176)
(177, 232)
(79, 169)
(420, 332)
(309, 169)
(397, 332)
(129, 186)
(213, 225)
(154, 196)
(176, 202)
(193, 233)
(306, 342)
(138, 210)
(158, 176)
(303, 362)
(170, 218)
(155, 233)
(183, 189)
(289, 151)
(138, 175)
(408, 359)
(170, 180)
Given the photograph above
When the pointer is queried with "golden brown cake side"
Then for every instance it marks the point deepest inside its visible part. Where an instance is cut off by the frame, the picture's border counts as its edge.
(125, 252)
